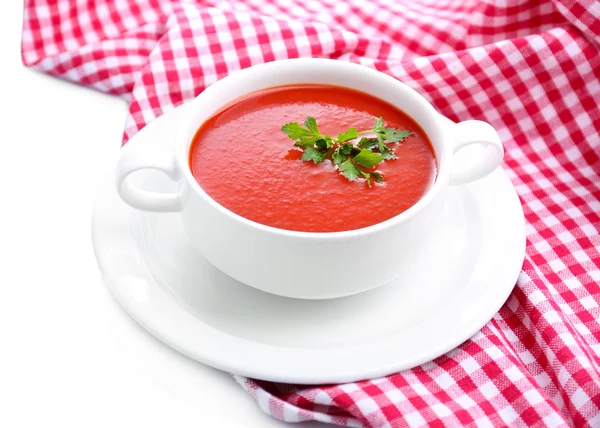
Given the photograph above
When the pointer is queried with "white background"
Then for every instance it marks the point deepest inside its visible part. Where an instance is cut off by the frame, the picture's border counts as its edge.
(69, 355)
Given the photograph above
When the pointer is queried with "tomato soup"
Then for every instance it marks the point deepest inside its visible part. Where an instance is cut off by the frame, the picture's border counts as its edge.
(242, 159)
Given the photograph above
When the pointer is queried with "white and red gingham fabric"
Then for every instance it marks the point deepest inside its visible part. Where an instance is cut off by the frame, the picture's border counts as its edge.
(531, 68)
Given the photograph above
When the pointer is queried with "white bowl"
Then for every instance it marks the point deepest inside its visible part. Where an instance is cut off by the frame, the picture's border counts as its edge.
(305, 264)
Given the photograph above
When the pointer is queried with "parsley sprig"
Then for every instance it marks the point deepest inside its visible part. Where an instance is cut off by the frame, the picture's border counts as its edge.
(352, 160)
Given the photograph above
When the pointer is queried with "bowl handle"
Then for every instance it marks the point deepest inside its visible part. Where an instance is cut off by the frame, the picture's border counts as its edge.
(136, 157)
(475, 132)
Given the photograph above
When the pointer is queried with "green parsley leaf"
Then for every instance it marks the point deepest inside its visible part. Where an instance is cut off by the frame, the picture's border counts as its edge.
(367, 143)
(377, 176)
(338, 157)
(341, 153)
(395, 135)
(306, 136)
(390, 134)
(349, 170)
(295, 131)
(323, 144)
(312, 154)
(367, 158)
(387, 153)
(346, 149)
(350, 134)
(311, 124)
(378, 126)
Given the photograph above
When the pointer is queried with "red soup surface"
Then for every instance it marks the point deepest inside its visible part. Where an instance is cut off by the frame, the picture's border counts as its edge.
(243, 160)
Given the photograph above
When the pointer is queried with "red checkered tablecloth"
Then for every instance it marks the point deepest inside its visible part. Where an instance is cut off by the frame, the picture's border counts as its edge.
(529, 67)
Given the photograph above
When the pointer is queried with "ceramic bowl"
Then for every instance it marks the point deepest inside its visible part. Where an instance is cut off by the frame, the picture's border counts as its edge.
(302, 264)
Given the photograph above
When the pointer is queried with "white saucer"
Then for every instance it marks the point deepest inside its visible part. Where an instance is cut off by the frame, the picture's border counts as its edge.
(460, 280)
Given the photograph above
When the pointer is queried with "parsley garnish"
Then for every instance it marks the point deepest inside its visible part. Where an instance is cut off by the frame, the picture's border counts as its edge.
(352, 161)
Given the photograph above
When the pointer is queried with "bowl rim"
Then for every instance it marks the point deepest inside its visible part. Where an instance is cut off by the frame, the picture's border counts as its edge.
(443, 169)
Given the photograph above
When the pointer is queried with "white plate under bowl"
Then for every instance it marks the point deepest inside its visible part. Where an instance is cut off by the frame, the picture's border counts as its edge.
(460, 279)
